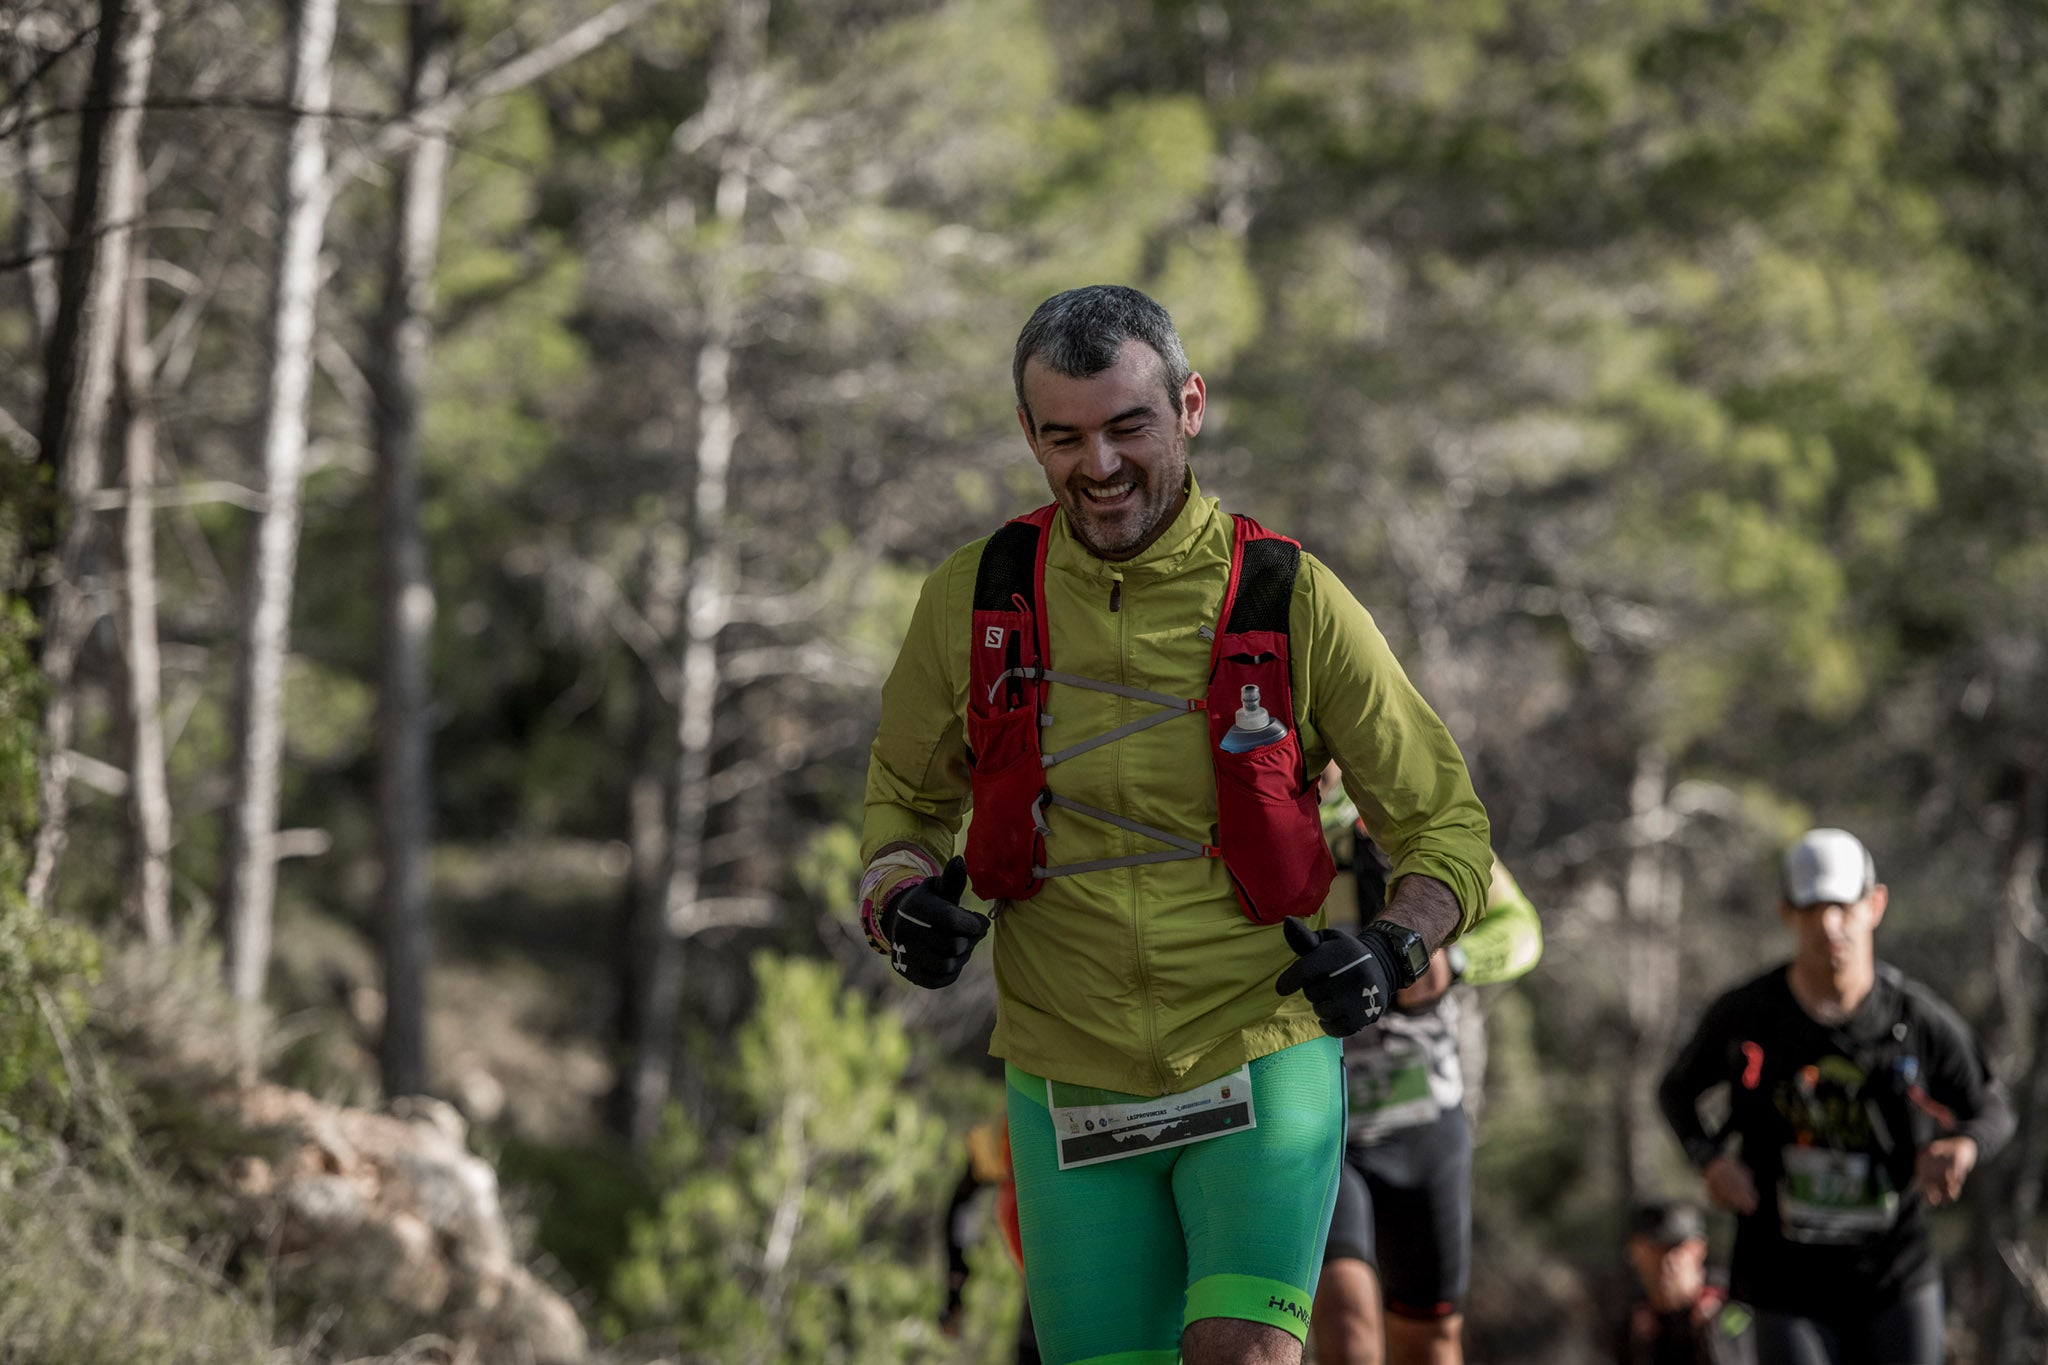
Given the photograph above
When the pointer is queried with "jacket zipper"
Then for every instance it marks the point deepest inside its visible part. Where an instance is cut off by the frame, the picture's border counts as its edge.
(1137, 923)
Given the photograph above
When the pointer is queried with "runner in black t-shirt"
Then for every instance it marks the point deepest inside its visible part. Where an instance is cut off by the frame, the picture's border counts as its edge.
(1858, 1099)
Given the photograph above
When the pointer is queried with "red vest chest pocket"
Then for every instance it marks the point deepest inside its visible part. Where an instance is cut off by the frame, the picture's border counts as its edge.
(1266, 810)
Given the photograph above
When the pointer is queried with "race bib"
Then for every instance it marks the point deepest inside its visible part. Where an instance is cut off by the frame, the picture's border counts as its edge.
(1094, 1126)
(1389, 1088)
(1833, 1197)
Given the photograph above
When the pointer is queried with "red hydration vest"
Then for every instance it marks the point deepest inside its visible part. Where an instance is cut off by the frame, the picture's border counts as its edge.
(1269, 833)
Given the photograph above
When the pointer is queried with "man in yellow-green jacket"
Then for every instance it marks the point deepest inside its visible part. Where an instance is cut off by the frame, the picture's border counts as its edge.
(1133, 691)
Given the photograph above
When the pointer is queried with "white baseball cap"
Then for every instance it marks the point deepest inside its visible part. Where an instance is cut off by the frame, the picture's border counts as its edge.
(1828, 867)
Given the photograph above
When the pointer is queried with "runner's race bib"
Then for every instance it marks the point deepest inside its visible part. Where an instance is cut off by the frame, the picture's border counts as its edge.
(1388, 1087)
(1094, 1126)
(1833, 1197)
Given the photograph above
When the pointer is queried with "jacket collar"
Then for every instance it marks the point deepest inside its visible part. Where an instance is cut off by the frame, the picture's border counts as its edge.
(1162, 558)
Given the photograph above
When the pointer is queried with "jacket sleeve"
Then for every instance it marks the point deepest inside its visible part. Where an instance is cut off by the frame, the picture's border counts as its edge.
(1700, 1066)
(1400, 764)
(1508, 940)
(917, 787)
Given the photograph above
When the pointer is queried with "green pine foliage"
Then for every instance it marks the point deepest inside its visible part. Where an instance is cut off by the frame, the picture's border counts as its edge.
(99, 1268)
(45, 964)
(1666, 376)
(805, 1232)
(99, 1272)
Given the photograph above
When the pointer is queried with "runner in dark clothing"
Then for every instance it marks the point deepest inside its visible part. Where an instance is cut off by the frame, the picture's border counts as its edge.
(1396, 1263)
(1857, 1099)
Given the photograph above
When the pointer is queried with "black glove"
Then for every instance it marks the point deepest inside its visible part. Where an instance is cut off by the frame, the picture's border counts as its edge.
(1348, 977)
(930, 936)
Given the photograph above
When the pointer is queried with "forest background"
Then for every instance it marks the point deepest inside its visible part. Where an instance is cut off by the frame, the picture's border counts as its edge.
(467, 467)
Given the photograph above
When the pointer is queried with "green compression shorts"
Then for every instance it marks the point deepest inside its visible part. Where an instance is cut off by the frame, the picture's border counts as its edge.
(1120, 1256)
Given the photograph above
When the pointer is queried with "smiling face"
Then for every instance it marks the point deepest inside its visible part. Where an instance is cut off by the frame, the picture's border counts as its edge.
(1114, 450)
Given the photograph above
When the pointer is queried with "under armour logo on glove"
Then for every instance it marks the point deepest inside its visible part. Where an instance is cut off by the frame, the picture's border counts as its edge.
(1347, 982)
(930, 935)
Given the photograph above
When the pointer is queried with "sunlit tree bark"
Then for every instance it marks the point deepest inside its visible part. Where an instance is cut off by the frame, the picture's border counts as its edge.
(250, 869)
(707, 601)
(148, 891)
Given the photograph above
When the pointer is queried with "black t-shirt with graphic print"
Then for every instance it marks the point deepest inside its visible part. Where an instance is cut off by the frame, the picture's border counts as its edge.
(1830, 1118)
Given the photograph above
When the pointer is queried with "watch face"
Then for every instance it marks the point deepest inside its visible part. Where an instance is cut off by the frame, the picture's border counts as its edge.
(1409, 949)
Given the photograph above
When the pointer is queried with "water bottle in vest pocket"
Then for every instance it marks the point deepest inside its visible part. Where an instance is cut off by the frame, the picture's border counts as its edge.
(1267, 823)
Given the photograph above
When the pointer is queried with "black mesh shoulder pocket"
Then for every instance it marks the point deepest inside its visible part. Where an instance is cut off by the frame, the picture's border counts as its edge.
(1265, 586)
(1009, 568)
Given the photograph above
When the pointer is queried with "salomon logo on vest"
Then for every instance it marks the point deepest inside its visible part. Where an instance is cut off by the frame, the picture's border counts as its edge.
(1289, 1307)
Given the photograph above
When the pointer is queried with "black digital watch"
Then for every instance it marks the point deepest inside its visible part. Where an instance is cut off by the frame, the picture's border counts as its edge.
(1405, 950)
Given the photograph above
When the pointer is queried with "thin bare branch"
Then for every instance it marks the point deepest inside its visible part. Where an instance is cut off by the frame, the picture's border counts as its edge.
(342, 368)
(191, 495)
(175, 348)
(829, 590)
(213, 103)
(28, 84)
(816, 661)
(722, 912)
(102, 777)
(11, 429)
(434, 120)
(2026, 1267)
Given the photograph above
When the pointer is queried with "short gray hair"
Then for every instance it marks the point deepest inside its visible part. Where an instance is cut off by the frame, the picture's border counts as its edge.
(1078, 333)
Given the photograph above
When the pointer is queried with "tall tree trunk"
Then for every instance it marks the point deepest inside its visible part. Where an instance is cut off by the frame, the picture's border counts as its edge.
(250, 870)
(707, 603)
(406, 591)
(149, 803)
(32, 227)
(1652, 898)
(647, 805)
(2009, 1201)
(640, 921)
(84, 343)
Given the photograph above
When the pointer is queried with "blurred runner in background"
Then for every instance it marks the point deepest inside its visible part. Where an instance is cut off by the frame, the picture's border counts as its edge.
(988, 1165)
(1857, 1100)
(1676, 1315)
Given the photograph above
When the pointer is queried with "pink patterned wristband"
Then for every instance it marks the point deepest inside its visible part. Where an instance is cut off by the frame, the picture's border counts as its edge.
(910, 859)
(871, 914)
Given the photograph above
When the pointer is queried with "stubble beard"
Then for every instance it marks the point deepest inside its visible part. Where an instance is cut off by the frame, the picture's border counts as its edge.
(1122, 533)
